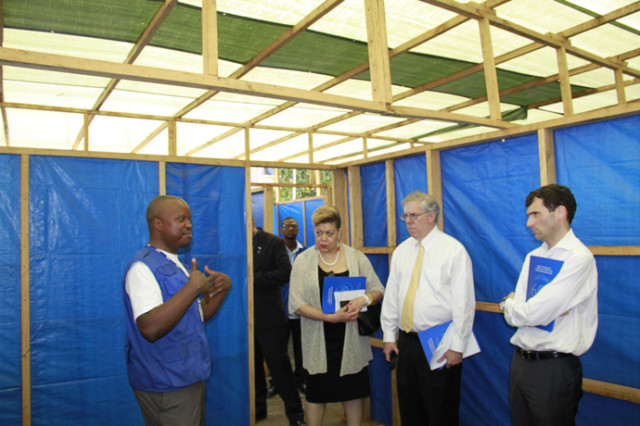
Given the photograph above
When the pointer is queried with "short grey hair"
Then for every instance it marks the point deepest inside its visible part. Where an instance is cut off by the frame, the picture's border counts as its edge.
(427, 202)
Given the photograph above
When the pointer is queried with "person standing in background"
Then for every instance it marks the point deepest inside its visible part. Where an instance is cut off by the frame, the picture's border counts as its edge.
(289, 231)
(545, 383)
(271, 269)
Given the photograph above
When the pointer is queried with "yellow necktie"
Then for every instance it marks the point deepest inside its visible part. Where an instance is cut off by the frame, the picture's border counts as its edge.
(410, 298)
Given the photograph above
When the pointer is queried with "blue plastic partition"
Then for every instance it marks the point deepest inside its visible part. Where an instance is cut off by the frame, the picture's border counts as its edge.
(600, 163)
(87, 217)
(216, 197)
(484, 187)
(374, 217)
(257, 208)
(410, 175)
(10, 341)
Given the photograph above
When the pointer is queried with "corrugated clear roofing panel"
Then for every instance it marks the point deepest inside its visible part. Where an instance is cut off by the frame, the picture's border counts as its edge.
(503, 41)
(288, 78)
(320, 139)
(182, 94)
(117, 134)
(260, 137)
(462, 43)
(607, 40)
(431, 100)
(542, 16)
(284, 149)
(228, 148)
(542, 62)
(390, 149)
(595, 101)
(407, 19)
(144, 103)
(64, 44)
(463, 132)
(632, 92)
(52, 77)
(54, 130)
(227, 107)
(363, 123)
(346, 20)
(50, 94)
(192, 135)
(303, 116)
(633, 20)
(152, 56)
(159, 145)
(351, 147)
(358, 89)
(415, 129)
(596, 78)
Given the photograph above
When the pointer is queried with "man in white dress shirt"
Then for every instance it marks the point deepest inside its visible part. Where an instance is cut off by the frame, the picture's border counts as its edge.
(444, 293)
(545, 384)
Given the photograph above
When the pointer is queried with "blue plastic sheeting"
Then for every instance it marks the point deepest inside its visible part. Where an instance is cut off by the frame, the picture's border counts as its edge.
(410, 175)
(599, 162)
(216, 197)
(484, 188)
(483, 192)
(257, 208)
(87, 217)
(10, 325)
(374, 205)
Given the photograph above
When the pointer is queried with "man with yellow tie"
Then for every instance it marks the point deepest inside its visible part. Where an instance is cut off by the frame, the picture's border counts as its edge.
(430, 283)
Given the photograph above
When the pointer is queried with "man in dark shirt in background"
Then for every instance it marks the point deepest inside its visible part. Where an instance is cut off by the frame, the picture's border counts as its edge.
(271, 269)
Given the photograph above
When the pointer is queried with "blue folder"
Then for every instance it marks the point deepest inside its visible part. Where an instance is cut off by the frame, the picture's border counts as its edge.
(542, 271)
(336, 284)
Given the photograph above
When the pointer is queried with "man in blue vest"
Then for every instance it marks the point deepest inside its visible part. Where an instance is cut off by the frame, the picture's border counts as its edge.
(166, 306)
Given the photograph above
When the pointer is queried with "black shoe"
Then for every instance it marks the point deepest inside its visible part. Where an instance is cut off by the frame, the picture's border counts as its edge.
(298, 423)
(271, 391)
(302, 387)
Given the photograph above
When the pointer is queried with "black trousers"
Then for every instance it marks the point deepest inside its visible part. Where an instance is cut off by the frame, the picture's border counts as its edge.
(544, 392)
(425, 397)
(271, 347)
(294, 331)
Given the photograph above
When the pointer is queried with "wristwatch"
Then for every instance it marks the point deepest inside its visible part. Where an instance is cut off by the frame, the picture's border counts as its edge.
(502, 303)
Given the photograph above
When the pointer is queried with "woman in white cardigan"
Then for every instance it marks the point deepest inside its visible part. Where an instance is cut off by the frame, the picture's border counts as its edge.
(334, 354)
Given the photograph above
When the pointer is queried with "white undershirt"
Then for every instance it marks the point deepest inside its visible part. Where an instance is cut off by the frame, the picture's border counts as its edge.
(143, 288)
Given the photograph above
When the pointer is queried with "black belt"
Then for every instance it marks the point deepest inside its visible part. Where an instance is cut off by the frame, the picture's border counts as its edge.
(534, 355)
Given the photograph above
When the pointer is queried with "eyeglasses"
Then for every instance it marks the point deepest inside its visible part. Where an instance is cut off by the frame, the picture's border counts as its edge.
(413, 216)
(289, 226)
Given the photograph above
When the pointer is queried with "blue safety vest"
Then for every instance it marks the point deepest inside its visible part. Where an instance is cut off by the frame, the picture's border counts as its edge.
(181, 357)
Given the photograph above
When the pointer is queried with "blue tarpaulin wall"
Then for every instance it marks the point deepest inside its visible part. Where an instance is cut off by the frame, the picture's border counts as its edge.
(87, 218)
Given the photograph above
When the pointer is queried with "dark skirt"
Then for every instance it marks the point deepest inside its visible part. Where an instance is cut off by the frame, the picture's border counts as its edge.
(329, 386)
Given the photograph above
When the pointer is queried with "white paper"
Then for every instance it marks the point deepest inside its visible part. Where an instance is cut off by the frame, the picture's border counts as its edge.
(346, 296)
(472, 348)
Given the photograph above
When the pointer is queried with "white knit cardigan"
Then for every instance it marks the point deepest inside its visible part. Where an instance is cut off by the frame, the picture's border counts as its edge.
(304, 290)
